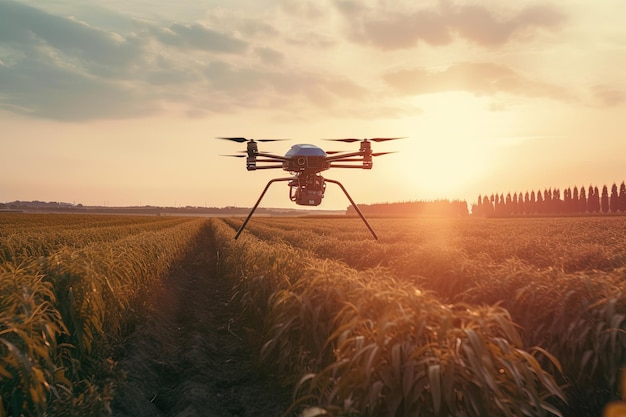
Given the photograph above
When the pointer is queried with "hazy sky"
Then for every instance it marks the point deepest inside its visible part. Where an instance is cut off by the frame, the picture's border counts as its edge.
(119, 102)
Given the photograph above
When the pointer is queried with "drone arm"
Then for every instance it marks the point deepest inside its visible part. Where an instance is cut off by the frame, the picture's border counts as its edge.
(256, 168)
(259, 201)
(272, 158)
(355, 207)
(347, 166)
(343, 155)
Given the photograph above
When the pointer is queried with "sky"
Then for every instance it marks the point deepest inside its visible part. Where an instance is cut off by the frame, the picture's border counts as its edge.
(119, 103)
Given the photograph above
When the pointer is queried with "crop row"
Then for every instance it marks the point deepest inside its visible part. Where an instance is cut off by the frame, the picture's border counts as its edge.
(63, 310)
(366, 342)
(19, 241)
(561, 280)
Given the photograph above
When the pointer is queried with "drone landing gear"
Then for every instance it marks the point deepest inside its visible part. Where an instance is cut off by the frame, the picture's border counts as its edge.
(355, 207)
(295, 178)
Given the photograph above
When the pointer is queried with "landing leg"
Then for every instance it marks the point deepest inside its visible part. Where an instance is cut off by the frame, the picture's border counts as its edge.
(258, 201)
(355, 207)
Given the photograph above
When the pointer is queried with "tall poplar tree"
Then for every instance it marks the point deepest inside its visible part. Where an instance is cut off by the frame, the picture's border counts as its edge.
(604, 202)
(614, 200)
(582, 201)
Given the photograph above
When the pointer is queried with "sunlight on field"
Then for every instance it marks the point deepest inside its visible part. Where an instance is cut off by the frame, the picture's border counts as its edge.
(437, 317)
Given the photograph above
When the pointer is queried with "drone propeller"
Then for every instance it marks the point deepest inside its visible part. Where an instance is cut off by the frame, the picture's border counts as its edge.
(344, 140)
(235, 156)
(243, 140)
(385, 139)
(350, 140)
(381, 153)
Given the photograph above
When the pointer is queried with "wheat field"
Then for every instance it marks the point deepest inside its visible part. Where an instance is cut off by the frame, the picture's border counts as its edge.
(440, 317)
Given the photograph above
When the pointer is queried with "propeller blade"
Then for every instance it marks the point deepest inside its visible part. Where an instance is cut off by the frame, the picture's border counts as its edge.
(243, 140)
(381, 153)
(385, 139)
(239, 140)
(334, 152)
(350, 140)
(347, 140)
(236, 156)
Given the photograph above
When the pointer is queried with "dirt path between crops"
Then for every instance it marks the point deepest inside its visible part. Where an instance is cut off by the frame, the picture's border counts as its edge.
(190, 358)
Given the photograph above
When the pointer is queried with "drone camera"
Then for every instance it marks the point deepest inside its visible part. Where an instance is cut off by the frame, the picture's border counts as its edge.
(307, 192)
(305, 163)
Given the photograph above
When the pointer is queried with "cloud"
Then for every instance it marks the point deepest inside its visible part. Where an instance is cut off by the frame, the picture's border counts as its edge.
(41, 88)
(58, 68)
(197, 36)
(26, 29)
(483, 27)
(307, 9)
(61, 68)
(270, 56)
(476, 78)
(388, 28)
(607, 96)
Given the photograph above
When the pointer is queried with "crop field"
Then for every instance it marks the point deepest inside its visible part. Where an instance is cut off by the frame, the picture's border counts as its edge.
(156, 316)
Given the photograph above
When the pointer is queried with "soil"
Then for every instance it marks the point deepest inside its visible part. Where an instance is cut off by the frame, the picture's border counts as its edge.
(192, 356)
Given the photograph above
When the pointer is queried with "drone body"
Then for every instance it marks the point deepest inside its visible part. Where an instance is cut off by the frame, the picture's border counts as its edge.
(305, 162)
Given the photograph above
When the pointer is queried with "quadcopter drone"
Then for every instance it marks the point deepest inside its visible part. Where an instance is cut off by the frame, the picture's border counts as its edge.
(305, 162)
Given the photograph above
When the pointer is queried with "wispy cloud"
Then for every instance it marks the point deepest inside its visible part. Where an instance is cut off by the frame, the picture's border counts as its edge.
(608, 96)
(389, 28)
(198, 36)
(476, 78)
(58, 67)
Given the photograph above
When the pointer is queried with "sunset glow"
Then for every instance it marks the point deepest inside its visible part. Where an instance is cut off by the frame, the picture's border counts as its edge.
(119, 103)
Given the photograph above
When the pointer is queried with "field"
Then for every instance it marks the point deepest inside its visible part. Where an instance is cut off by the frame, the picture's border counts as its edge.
(156, 316)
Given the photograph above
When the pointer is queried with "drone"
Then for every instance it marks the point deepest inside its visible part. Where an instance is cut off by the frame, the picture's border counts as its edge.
(305, 162)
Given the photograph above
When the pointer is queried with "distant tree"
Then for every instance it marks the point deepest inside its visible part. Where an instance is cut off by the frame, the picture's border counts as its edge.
(487, 206)
(575, 204)
(477, 208)
(547, 201)
(614, 200)
(508, 205)
(498, 205)
(556, 201)
(567, 200)
(604, 202)
(522, 200)
(582, 201)
(461, 208)
(596, 199)
(622, 197)
(533, 202)
(593, 200)
(526, 205)
(540, 208)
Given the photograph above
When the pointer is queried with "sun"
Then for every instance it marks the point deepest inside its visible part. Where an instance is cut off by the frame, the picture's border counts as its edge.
(448, 147)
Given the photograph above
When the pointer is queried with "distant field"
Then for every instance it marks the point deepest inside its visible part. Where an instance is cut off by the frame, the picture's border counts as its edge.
(481, 317)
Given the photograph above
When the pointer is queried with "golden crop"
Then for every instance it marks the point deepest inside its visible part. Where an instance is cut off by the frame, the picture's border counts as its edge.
(70, 287)
(439, 317)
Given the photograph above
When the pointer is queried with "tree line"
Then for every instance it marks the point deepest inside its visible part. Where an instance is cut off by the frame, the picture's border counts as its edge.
(437, 208)
(574, 201)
